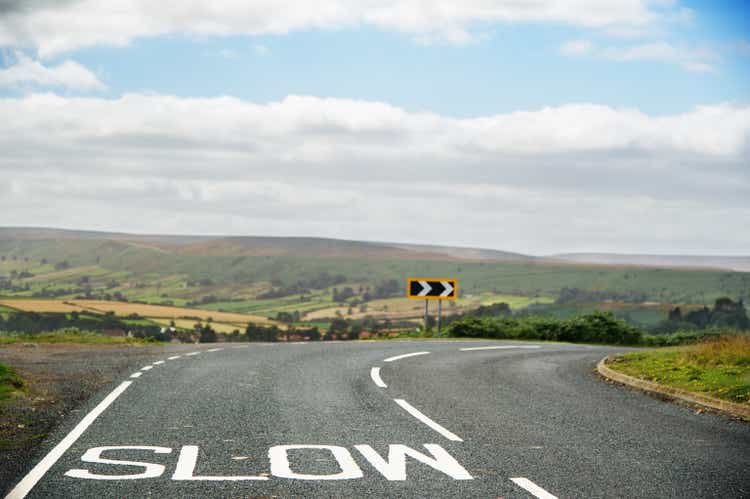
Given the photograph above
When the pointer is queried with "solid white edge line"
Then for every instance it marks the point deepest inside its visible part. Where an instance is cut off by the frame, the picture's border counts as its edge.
(136, 375)
(399, 357)
(532, 488)
(174, 357)
(504, 347)
(432, 424)
(30, 480)
(375, 375)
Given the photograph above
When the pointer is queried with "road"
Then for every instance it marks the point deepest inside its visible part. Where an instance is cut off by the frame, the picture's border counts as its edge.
(387, 419)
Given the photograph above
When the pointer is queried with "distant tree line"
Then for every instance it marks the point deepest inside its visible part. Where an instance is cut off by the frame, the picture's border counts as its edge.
(39, 322)
(725, 313)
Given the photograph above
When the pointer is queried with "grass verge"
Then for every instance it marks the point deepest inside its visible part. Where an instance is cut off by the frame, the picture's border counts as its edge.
(718, 367)
(9, 382)
(71, 336)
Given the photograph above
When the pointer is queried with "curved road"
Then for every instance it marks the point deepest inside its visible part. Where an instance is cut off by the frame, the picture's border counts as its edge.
(367, 419)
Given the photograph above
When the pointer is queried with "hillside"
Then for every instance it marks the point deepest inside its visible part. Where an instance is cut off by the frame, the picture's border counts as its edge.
(317, 279)
(734, 263)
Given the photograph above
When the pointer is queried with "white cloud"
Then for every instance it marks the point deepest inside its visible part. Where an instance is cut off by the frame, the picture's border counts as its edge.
(554, 179)
(575, 47)
(68, 74)
(56, 27)
(699, 60)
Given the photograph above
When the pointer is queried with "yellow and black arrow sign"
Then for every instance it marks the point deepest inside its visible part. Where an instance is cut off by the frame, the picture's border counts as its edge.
(432, 289)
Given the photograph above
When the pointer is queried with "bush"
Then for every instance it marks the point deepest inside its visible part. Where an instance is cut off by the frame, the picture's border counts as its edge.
(596, 327)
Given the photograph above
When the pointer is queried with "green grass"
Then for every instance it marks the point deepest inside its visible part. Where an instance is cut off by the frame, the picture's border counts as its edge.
(10, 382)
(719, 368)
(70, 336)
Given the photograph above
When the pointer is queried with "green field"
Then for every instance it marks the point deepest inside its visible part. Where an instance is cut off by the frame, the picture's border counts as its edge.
(719, 368)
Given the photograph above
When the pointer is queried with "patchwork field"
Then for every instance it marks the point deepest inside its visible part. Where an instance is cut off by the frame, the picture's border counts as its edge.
(124, 309)
(405, 308)
(255, 279)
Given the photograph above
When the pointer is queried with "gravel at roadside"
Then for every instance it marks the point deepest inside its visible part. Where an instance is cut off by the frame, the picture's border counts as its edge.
(59, 378)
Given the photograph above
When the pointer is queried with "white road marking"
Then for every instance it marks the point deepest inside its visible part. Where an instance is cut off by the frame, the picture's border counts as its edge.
(280, 467)
(394, 468)
(173, 357)
(505, 347)
(214, 350)
(94, 455)
(146, 368)
(375, 375)
(158, 362)
(186, 466)
(192, 353)
(534, 489)
(31, 479)
(136, 375)
(432, 424)
(399, 357)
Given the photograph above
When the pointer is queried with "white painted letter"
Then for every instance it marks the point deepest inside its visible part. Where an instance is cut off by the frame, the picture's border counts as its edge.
(94, 455)
(395, 467)
(280, 463)
(186, 465)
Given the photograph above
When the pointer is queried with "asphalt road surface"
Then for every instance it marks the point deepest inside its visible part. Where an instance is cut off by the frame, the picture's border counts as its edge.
(355, 419)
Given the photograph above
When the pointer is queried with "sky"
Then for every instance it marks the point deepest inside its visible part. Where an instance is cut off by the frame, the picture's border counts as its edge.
(538, 127)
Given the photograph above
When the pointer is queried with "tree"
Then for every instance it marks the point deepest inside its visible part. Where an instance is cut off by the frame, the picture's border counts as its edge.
(338, 326)
(208, 335)
(254, 332)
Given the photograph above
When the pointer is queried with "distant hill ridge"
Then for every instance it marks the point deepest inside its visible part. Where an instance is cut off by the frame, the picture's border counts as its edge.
(336, 248)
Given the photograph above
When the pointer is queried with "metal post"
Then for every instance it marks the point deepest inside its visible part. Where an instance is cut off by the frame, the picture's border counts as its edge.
(440, 313)
(426, 312)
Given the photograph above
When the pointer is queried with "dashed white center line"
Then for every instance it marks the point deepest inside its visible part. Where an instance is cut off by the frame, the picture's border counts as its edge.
(192, 353)
(532, 488)
(173, 357)
(158, 362)
(214, 349)
(147, 368)
(505, 347)
(432, 424)
(375, 375)
(136, 375)
(404, 356)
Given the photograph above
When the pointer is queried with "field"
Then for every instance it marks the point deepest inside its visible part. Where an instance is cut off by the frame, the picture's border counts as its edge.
(237, 280)
(404, 308)
(719, 368)
(125, 309)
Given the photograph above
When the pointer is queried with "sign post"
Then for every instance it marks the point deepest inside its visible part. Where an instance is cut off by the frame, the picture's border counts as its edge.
(432, 289)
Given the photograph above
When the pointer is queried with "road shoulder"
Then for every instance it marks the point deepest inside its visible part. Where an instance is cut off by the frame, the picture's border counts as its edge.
(732, 409)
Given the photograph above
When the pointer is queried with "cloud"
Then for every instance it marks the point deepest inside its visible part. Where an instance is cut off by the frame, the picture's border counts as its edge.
(575, 47)
(57, 27)
(698, 60)
(68, 74)
(572, 177)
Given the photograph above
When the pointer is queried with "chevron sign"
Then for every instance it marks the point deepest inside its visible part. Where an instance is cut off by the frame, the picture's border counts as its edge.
(432, 289)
